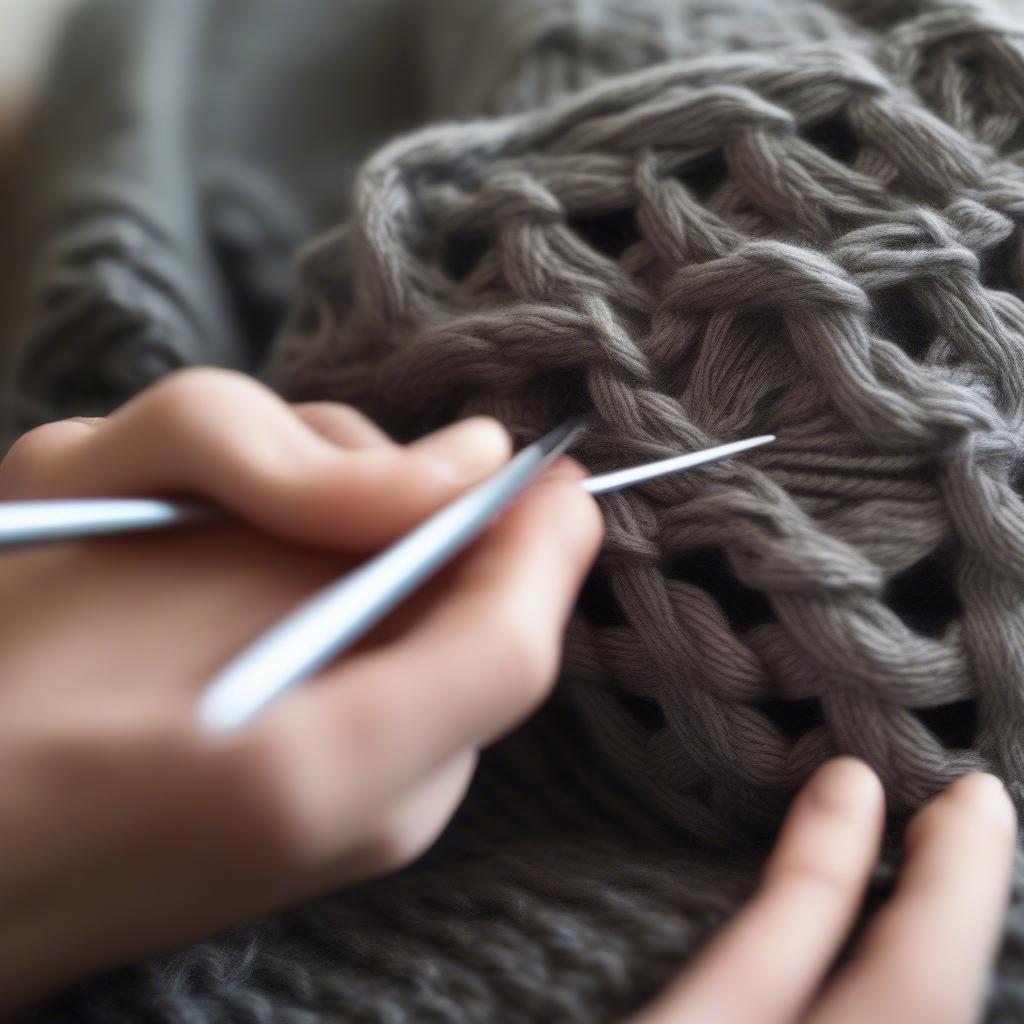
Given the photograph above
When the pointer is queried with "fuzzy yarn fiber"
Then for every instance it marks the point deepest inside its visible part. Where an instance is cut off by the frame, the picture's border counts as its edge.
(697, 221)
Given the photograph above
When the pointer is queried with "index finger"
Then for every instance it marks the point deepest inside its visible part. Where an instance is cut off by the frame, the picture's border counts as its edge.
(222, 436)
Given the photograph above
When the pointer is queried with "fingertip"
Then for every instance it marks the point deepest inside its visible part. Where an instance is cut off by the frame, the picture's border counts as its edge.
(845, 784)
(574, 515)
(465, 451)
(981, 785)
(565, 467)
(986, 792)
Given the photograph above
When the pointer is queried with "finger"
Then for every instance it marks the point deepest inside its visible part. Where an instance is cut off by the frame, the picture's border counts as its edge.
(926, 955)
(223, 436)
(784, 940)
(34, 450)
(342, 425)
(339, 424)
(313, 851)
(412, 823)
(473, 665)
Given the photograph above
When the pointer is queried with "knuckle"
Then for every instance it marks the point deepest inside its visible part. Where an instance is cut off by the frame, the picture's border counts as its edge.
(366, 727)
(40, 442)
(31, 452)
(269, 819)
(527, 657)
(335, 412)
(816, 875)
(408, 830)
(186, 395)
(31, 448)
(340, 424)
(397, 844)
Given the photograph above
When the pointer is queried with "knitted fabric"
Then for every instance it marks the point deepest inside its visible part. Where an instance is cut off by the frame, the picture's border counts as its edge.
(795, 220)
(185, 150)
(789, 242)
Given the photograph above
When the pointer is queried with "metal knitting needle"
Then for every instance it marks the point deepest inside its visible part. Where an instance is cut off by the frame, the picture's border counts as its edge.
(337, 616)
(604, 483)
(43, 522)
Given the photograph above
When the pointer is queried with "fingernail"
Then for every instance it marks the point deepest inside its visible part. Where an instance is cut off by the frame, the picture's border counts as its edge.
(844, 784)
(985, 793)
(985, 784)
(469, 448)
(987, 781)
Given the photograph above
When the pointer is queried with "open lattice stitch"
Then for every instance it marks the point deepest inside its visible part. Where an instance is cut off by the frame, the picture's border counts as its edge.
(697, 252)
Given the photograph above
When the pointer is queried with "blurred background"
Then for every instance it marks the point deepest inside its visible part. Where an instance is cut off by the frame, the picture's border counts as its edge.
(26, 30)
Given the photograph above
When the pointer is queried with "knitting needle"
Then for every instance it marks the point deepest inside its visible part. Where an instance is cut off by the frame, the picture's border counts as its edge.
(604, 483)
(337, 616)
(40, 522)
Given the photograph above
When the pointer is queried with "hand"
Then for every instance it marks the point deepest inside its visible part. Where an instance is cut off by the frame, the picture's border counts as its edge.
(126, 828)
(925, 956)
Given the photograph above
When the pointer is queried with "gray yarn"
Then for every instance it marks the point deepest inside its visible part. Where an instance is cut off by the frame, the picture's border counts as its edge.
(704, 250)
(505, 58)
(818, 236)
(125, 271)
(802, 240)
(187, 149)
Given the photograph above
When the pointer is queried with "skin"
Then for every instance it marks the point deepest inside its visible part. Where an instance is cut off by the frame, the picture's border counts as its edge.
(116, 806)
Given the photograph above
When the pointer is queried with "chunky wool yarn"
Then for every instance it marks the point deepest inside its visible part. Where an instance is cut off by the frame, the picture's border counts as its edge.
(698, 251)
(693, 221)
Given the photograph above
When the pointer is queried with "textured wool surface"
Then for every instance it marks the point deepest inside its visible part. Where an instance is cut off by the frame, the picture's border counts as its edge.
(698, 221)
(184, 150)
(792, 242)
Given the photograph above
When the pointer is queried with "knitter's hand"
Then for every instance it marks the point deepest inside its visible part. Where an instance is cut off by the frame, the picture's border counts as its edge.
(124, 828)
(925, 956)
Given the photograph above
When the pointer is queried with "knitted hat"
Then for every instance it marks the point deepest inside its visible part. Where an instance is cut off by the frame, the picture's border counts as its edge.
(750, 219)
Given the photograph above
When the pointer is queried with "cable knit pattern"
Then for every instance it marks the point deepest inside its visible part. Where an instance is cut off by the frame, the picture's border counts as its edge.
(695, 221)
